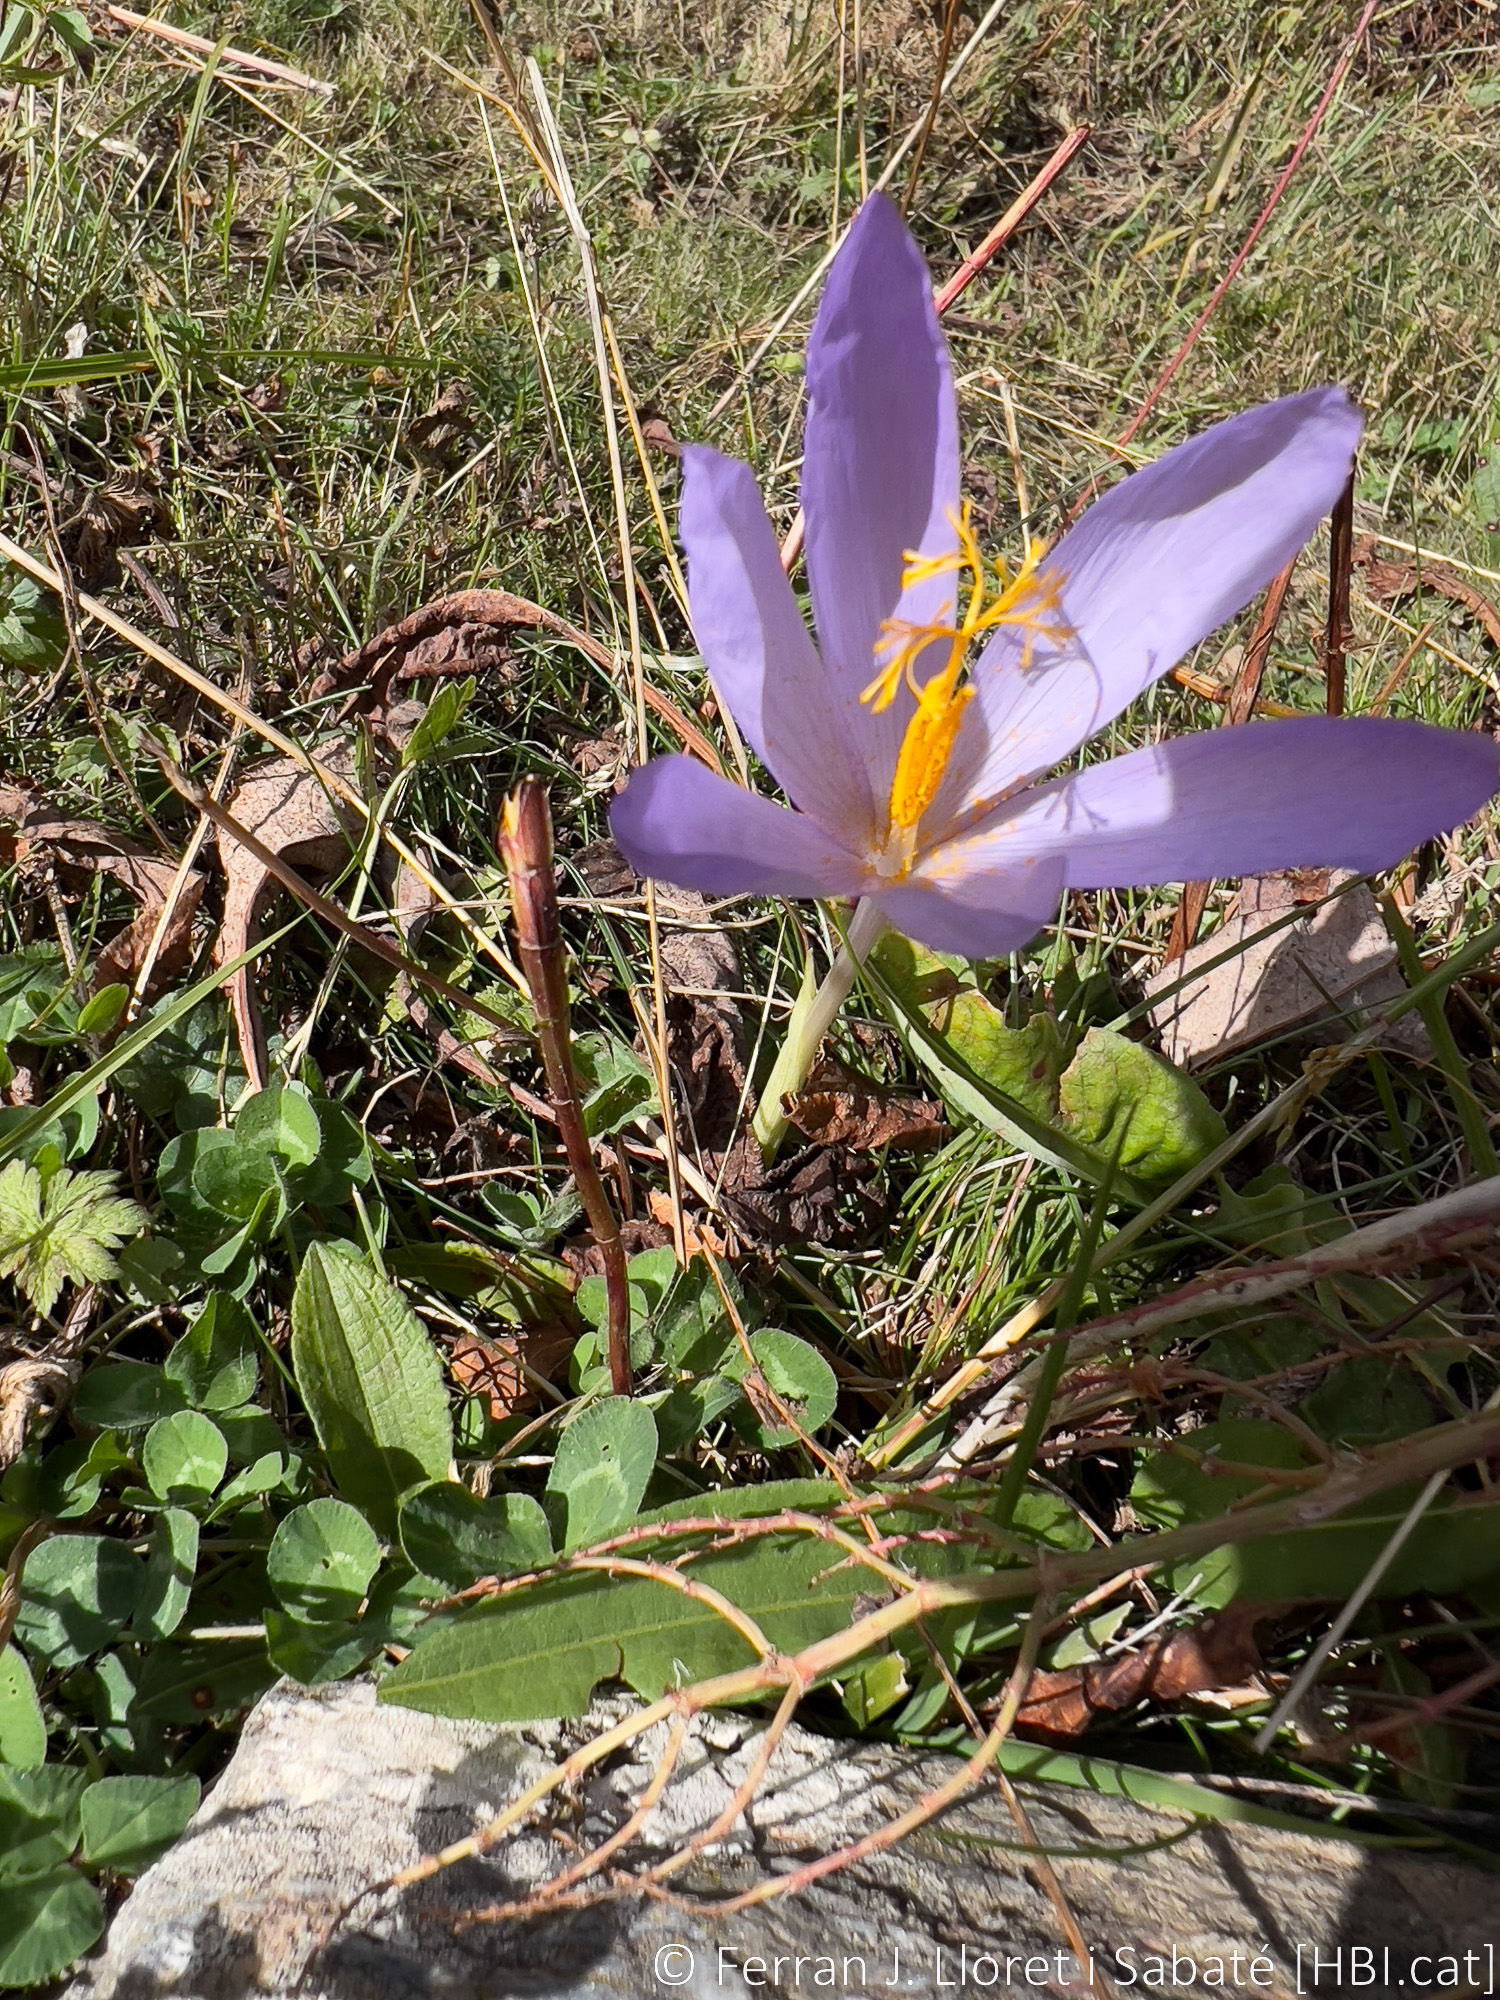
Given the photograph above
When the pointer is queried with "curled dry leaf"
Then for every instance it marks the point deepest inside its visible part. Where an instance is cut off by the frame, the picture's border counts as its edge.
(442, 435)
(288, 810)
(1386, 582)
(25, 1388)
(79, 848)
(465, 634)
(125, 512)
(839, 1108)
(819, 1194)
(1219, 1652)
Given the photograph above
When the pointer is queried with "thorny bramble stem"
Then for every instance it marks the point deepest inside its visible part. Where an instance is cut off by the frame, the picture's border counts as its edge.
(525, 843)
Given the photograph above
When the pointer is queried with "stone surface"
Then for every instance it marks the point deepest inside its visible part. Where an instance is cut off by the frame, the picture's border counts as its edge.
(328, 1793)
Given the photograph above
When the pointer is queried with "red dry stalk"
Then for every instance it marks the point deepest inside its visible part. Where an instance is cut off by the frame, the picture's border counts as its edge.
(525, 843)
(1309, 133)
(1337, 635)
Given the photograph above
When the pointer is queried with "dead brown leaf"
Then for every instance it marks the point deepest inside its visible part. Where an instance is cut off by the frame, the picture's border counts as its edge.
(1387, 582)
(501, 1368)
(438, 438)
(819, 1194)
(126, 512)
(25, 1388)
(840, 1108)
(1220, 1652)
(288, 810)
(696, 1236)
(77, 849)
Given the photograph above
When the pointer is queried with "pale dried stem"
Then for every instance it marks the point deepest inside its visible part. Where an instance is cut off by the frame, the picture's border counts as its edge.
(701, 1593)
(1049, 1579)
(745, 1791)
(1445, 1226)
(199, 45)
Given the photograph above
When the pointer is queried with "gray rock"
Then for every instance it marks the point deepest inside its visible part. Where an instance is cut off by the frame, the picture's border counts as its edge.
(328, 1793)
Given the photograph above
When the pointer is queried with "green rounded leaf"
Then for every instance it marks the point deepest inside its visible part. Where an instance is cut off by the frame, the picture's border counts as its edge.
(449, 1534)
(128, 1822)
(321, 1561)
(604, 1459)
(23, 1733)
(184, 1454)
(76, 1593)
(313, 1653)
(281, 1119)
(125, 1395)
(799, 1377)
(171, 1564)
(46, 1922)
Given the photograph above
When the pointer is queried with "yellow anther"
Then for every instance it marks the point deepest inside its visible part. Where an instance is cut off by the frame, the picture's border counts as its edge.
(925, 750)
(1029, 599)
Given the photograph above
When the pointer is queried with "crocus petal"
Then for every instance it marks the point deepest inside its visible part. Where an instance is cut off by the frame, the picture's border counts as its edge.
(757, 647)
(1153, 567)
(880, 467)
(982, 914)
(680, 823)
(1319, 791)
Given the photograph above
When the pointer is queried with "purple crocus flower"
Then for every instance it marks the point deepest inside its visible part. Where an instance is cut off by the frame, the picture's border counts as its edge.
(915, 742)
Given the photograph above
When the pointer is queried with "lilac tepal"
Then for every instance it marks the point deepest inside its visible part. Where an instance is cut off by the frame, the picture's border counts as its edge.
(915, 741)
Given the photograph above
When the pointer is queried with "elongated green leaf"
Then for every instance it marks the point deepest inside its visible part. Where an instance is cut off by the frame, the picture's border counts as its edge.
(195, 1684)
(372, 1383)
(542, 1652)
(1166, 1791)
(127, 1822)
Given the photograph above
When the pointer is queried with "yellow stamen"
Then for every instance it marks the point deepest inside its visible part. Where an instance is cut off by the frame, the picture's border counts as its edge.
(1029, 599)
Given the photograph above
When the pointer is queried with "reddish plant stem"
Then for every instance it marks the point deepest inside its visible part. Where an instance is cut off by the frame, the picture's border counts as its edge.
(525, 843)
(1309, 133)
(950, 293)
(1340, 563)
(1243, 696)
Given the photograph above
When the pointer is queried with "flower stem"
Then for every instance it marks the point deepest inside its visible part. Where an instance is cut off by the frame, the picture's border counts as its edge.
(525, 843)
(811, 1019)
